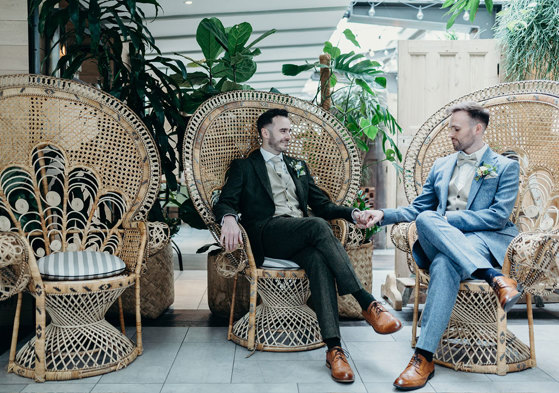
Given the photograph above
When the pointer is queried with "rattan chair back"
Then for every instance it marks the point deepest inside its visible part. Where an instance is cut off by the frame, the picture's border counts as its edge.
(224, 128)
(75, 165)
(524, 124)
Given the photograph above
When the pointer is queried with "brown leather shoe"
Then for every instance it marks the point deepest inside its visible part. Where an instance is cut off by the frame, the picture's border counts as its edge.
(416, 375)
(339, 367)
(506, 290)
(380, 319)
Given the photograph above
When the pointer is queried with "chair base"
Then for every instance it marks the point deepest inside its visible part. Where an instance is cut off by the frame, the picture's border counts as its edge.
(280, 329)
(463, 351)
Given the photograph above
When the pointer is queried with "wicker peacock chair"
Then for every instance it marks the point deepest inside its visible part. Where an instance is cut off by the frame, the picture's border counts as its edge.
(78, 171)
(224, 128)
(524, 125)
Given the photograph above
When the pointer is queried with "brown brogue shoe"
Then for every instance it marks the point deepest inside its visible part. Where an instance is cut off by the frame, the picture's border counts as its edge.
(416, 374)
(380, 319)
(506, 290)
(339, 367)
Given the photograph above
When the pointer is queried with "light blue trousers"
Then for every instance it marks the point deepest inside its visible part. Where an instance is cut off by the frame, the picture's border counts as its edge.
(454, 256)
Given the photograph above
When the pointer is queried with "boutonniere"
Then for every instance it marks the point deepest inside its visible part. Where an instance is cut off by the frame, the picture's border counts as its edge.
(485, 171)
(298, 167)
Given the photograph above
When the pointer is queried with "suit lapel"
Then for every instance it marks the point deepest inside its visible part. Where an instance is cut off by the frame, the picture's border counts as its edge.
(289, 162)
(489, 157)
(260, 168)
(447, 171)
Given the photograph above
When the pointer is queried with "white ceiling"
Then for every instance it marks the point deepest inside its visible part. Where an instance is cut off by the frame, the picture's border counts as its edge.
(302, 28)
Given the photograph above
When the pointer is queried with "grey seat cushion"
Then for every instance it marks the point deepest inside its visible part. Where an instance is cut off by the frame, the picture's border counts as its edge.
(279, 264)
(80, 265)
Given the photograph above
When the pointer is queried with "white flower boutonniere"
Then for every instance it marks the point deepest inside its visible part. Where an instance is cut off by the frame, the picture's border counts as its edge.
(485, 171)
(298, 167)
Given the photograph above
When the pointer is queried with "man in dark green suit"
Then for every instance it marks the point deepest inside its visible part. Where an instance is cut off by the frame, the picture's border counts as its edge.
(269, 194)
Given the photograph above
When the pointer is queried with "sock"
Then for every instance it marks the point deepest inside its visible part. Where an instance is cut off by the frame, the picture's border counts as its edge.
(364, 298)
(333, 342)
(486, 274)
(426, 354)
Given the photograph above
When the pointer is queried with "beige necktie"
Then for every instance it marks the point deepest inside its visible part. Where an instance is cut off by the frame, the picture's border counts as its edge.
(278, 164)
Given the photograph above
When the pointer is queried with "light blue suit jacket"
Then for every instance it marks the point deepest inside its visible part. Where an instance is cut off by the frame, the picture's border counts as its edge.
(490, 203)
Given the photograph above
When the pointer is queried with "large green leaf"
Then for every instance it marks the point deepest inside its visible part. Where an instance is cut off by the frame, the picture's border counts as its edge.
(237, 37)
(215, 26)
(351, 37)
(207, 41)
(293, 69)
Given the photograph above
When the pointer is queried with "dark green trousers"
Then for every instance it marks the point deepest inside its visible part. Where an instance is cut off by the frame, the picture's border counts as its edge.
(310, 243)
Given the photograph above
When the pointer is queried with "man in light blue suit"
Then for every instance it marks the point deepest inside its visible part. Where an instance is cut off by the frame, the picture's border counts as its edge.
(462, 218)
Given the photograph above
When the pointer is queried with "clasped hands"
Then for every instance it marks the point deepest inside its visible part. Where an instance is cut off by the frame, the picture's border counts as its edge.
(367, 218)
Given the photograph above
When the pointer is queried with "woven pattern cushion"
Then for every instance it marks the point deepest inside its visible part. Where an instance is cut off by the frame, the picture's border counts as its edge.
(80, 265)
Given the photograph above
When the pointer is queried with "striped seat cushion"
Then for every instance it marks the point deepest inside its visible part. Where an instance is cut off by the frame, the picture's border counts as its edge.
(79, 265)
(279, 264)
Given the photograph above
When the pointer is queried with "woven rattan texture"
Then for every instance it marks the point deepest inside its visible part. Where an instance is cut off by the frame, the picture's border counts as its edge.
(283, 319)
(361, 259)
(14, 265)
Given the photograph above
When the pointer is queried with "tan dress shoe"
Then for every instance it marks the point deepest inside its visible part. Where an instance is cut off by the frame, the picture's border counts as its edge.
(416, 375)
(506, 290)
(380, 319)
(339, 367)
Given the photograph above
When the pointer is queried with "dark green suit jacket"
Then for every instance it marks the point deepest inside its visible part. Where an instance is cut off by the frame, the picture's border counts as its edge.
(247, 191)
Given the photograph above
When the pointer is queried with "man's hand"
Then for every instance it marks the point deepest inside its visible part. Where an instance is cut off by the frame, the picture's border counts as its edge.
(364, 219)
(231, 236)
(377, 216)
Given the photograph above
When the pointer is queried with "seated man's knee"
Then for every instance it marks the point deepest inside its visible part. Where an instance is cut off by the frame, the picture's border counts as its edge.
(318, 225)
(424, 220)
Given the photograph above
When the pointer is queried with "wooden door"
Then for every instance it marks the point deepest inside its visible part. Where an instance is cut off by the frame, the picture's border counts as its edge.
(431, 74)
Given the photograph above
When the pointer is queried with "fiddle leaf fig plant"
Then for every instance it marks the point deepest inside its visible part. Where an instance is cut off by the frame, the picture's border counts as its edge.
(228, 61)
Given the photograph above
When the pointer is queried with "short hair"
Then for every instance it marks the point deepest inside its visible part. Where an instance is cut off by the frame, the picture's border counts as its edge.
(477, 113)
(268, 118)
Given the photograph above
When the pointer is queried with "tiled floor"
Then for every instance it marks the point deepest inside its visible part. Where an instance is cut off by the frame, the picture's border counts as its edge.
(189, 355)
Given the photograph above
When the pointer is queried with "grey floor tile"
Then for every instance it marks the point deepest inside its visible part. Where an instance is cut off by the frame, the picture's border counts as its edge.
(445, 374)
(331, 386)
(403, 335)
(203, 363)
(56, 387)
(531, 374)
(127, 388)
(362, 333)
(380, 361)
(387, 387)
(11, 388)
(276, 371)
(496, 387)
(163, 334)
(206, 334)
(316, 354)
(230, 388)
(151, 367)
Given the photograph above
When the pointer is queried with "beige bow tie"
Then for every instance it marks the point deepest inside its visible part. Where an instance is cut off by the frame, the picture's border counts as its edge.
(465, 159)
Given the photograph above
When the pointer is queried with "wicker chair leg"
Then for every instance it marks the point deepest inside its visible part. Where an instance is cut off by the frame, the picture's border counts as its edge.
(252, 312)
(121, 316)
(531, 328)
(415, 310)
(40, 327)
(232, 308)
(15, 332)
(501, 358)
(139, 342)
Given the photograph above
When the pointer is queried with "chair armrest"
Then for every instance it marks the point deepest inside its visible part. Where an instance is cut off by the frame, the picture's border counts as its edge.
(532, 260)
(228, 264)
(134, 243)
(341, 229)
(14, 264)
(403, 235)
(159, 235)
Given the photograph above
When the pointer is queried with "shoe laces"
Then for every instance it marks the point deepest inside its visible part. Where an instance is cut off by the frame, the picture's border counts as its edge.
(416, 361)
(340, 353)
(377, 307)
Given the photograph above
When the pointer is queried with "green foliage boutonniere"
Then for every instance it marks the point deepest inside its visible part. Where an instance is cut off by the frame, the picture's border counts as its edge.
(298, 167)
(485, 171)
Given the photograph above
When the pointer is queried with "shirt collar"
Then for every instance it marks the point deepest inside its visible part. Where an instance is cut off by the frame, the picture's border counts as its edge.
(268, 156)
